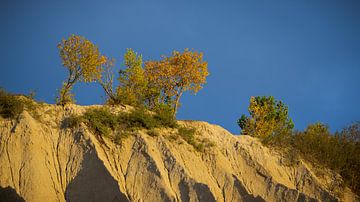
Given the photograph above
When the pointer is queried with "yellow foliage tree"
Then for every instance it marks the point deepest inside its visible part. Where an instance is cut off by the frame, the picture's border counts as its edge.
(132, 80)
(172, 76)
(83, 61)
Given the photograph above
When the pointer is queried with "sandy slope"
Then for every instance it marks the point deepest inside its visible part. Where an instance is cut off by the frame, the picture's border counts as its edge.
(42, 162)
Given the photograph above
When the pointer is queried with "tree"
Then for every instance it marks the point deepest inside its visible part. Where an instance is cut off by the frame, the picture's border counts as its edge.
(268, 119)
(83, 62)
(315, 142)
(107, 81)
(172, 76)
(132, 80)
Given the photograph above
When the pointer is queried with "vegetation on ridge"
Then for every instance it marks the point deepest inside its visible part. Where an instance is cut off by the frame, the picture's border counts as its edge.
(268, 119)
(116, 127)
(83, 62)
(269, 122)
(150, 85)
(11, 106)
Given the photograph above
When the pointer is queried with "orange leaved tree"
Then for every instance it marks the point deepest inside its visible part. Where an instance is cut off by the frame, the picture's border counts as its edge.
(182, 71)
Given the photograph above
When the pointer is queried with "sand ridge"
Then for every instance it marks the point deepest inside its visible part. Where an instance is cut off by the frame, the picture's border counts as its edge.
(43, 161)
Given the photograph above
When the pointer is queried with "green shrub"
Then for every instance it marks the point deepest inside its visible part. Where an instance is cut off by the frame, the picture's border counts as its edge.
(104, 123)
(188, 134)
(165, 116)
(31, 106)
(100, 120)
(72, 121)
(139, 118)
(117, 127)
(10, 105)
(316, 144)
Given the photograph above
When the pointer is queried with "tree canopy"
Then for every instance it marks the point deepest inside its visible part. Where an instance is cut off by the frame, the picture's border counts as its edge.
(268, 119)
(83, 62)
(132, 81)
(172, 76)
(153, 84)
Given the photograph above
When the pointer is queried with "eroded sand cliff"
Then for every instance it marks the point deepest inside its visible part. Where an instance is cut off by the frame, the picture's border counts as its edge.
(42, 161)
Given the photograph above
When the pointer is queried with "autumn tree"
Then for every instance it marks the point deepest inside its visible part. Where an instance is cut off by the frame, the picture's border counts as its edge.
(83, 62)
(174, 75)
(132, 81)
(268, 119)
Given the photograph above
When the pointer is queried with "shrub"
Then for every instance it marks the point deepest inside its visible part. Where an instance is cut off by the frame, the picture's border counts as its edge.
(72, 121)
(315, 142)
(101, 120)
(104, 123)
(31, 106)
(10, 105)
(339, 152)
(139, 118)
(164, 115)
(188, 134)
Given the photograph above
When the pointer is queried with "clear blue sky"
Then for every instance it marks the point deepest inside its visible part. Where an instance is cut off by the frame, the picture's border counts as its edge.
(306, 53)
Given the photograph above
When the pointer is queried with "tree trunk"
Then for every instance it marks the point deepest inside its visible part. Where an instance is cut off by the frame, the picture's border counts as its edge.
(177, 99)
(108, 91)
(66, 90)
(68, 85)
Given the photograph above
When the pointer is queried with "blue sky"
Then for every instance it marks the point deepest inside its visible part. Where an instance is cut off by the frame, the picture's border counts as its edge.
(306, 53)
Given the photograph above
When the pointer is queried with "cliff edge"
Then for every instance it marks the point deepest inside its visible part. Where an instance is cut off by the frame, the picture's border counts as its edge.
(40, 160)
